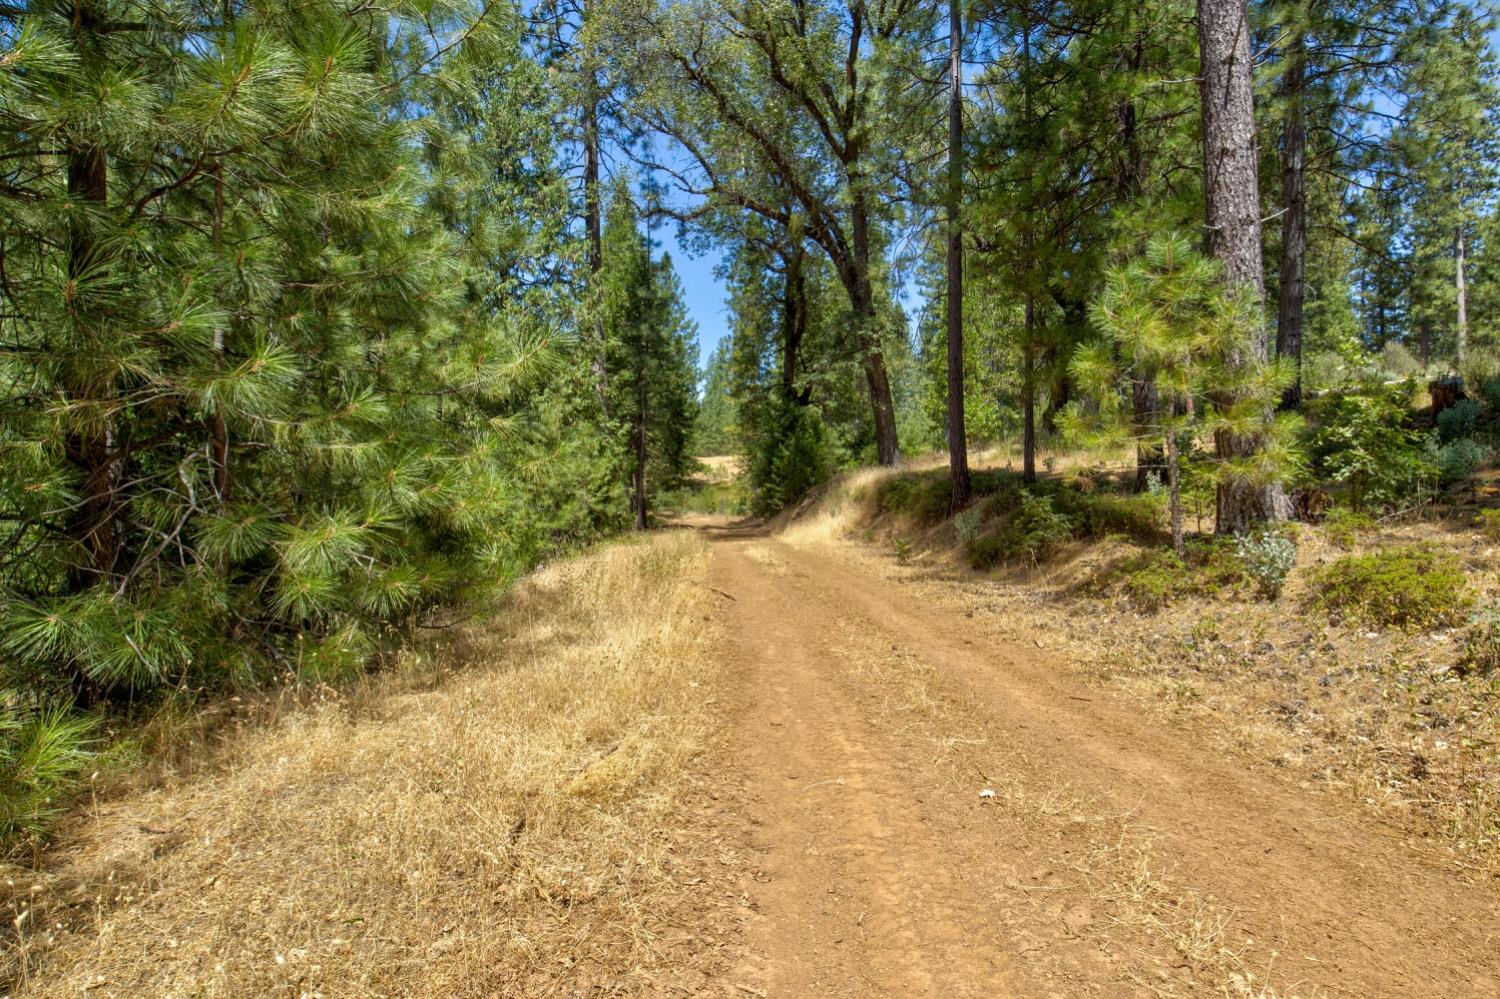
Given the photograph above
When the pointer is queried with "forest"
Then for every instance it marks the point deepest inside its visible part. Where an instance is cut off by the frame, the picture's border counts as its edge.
(324, 323)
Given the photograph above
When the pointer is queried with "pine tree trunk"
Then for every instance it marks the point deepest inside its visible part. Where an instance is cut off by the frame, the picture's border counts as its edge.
(593, 225)
(861, 296)
(958, 448)
(1292, 290)
(94, 521)
(218, 430)
(1174, 489)
(793, 321)
(1232, 200)
(638, 473)
(1149, 458)
(1463, 300)
(1028, 399)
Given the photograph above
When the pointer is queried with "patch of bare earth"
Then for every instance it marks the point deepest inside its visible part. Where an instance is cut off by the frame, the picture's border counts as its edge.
(521, 819)
(944, 809)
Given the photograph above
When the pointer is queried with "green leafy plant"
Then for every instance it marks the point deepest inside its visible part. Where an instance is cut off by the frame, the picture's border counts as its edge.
(1413, 587)
(43, 752)
(1343, 526)
(1481, 649)
(1269, 558)
(966, 526)
(1364, 441)
(1458, 421)
(1460, 459)
(903, 550)
(1488, 522)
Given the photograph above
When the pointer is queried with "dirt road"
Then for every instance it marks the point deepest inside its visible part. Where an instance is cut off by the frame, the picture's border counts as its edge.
(935, 812)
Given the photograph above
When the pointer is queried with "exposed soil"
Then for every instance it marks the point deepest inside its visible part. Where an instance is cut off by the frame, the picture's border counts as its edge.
(934, 812)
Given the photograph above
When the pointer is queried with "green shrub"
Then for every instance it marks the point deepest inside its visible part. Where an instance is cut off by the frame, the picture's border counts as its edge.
(1458, 421)
(923, 497)
(1490, 390)
(1101, 514)
(1268, 559)
(1488, 522)
(43, 752)
(903, 550)
(1343, 526)
(1460, 459)
(1033, 532)
(1365, 442)
(1156, 578)
(1413, 587)
(966, 526)
(1481, 653)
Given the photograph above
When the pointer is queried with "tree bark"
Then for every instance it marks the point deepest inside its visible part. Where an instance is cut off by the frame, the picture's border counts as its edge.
(94, 521)
(1028, 398)
(1232, 201)
(958, 448)
(793, 320)
(1461, 288)
(862, 299)
(593, 225)
(1292, 288)
(638, 442)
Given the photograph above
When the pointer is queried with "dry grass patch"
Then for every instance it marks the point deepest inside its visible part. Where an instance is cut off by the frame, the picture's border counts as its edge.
(502, 828)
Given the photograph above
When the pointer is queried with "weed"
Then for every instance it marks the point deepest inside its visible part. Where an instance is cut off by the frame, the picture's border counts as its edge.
(1481, 652)
(1344, 526)
(966, 526)
(903, 550)
(1412, 587)
(1488, 522)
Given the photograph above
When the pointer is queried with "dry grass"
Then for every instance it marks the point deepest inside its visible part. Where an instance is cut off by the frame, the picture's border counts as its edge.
(500, 827)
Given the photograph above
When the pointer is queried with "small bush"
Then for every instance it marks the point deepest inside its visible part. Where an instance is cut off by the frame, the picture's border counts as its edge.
(922, 497)
(1460, 459)
(1268, 559)
(1490, 389)
(1101, 514)
(966, 526)
(43, 752)
(1365, 442)
(1481, 652)
(1033, 532)
(1458, 421)
(1344, 526)
(1413, 587)
(1488, 522)
(903, 550)
(1157, 578)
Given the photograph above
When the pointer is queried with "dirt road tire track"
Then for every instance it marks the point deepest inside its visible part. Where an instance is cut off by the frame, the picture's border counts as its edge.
(883, 878)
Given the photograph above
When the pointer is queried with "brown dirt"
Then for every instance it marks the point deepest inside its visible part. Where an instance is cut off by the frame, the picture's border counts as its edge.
(1115, 855)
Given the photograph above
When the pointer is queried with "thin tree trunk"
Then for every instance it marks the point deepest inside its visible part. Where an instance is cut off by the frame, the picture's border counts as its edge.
(793, 320)
(958, 448)
(1292, 290)
(218, 430)
(638, 474)
(1232, 201)
(1028, 400)
(1424, 341)
(1463, 300)
(1174, 491)
(593, 225)
(861, 296)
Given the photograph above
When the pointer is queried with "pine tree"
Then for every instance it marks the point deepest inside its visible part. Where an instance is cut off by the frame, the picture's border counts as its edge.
(650, 354)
